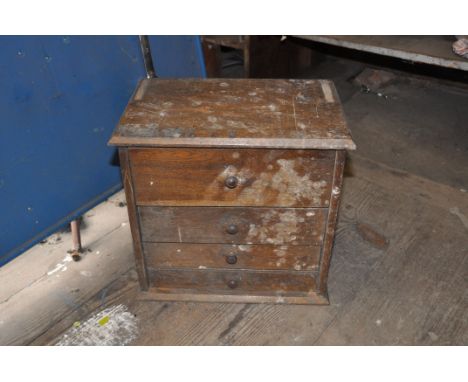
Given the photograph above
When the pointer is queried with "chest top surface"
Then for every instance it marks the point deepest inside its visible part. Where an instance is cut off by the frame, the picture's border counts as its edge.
(303, 114)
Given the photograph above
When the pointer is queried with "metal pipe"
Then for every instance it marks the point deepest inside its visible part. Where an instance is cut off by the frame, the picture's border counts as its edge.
(147, 59)
(76, 239)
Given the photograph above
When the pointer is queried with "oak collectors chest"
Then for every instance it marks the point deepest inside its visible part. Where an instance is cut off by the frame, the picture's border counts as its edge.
(233, 187)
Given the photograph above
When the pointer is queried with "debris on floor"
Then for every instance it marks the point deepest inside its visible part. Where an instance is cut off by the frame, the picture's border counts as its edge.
(372, 80)
(112, 326)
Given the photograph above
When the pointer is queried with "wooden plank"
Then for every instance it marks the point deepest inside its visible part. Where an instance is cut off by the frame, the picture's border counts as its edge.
(279, 178)
(432, 50)
(269, 283)
(207, 256)
(133, 218)
(312, 298)
(280, 226)
(228, 112)
(331, 220)
(124, 290)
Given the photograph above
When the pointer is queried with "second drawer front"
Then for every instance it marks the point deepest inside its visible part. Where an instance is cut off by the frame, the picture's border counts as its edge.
(279, 226)
(206, 256)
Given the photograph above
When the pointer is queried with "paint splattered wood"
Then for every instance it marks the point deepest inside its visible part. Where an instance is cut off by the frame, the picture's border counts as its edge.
(244, 162)
(278, 226)
(231, 256)
(234, 113)
(264, 177)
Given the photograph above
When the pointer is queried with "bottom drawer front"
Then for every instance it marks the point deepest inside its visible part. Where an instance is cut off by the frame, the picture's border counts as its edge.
(205, 256)
(232, 282)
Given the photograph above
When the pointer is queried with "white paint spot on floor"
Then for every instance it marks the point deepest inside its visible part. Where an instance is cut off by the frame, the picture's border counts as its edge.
(224, 84)
(378, 322)
(433, 336)
(86, 273)
(60, 266)
(113, 326)
(456, 211)
(201, 267)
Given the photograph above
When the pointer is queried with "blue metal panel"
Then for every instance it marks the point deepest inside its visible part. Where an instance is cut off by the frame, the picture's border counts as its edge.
(60, 99)
(173, 55)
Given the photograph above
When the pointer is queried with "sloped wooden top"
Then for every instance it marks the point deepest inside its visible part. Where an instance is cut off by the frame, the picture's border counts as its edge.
(234, 113)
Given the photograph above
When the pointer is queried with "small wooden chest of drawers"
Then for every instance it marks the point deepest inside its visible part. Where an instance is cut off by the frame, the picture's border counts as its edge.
(233, 187)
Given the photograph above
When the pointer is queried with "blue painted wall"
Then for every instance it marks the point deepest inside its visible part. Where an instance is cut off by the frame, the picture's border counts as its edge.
(60, 99)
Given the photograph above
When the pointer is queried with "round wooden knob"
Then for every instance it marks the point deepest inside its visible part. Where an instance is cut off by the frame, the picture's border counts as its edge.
(232, 229)
(231, 259)
(231, 182)
(232, 284)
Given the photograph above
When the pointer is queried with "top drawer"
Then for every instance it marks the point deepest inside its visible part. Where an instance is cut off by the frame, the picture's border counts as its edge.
(232, 177)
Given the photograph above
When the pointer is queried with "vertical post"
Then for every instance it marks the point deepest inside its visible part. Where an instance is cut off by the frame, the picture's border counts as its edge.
(246, 51)
(140, 262)
(330, 227)
(76, 239)
(147, 58)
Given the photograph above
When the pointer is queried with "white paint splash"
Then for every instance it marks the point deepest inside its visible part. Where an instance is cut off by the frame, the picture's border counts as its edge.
(62, 266)
(456, 211)
(113, 326)
(327, 92)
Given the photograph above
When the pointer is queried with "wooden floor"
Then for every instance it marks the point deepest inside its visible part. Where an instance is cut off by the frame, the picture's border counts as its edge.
(398, 273)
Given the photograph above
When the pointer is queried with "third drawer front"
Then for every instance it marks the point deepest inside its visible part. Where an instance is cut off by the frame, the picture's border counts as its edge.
(278, 226)
(213, 256)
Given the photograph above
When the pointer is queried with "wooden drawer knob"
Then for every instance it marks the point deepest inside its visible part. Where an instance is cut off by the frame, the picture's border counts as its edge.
(232, 229)
(231, 259)
(231, 182)
(232, 284)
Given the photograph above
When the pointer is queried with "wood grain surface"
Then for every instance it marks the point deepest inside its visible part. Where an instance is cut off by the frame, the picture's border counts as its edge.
(218, 281)
(280, 226)
(206, 256)
(196, 177)
(220, 112)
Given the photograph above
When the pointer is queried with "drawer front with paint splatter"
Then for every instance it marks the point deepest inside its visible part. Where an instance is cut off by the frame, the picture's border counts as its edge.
(232, 177)
(279, 226)
(233, 187)
(231, 256)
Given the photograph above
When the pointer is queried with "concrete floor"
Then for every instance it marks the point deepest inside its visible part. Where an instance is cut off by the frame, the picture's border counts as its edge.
(398, 273)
